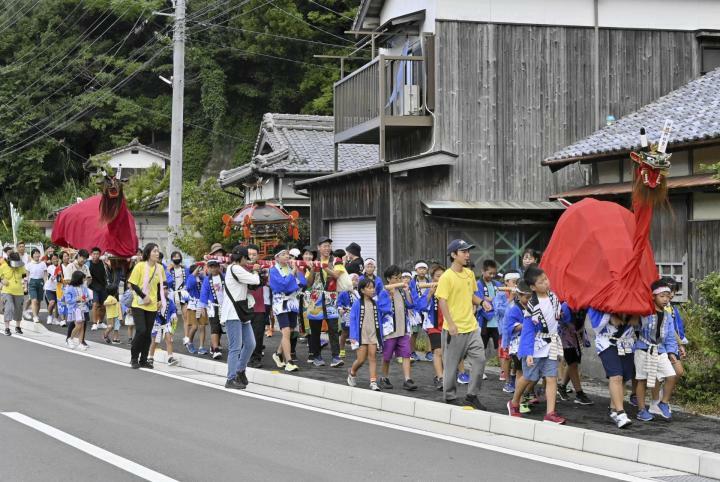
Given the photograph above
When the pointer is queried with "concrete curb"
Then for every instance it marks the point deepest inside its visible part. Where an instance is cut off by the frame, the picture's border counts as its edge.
(692, 461)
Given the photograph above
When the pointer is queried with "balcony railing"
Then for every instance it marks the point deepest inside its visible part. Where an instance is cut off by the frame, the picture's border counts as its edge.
(385, 93)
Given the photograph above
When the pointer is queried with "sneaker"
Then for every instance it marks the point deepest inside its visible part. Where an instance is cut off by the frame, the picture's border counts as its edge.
(582, 399)
(562, 392)
(289, 367)
(172, 361)
(318, 362)
(463, 378)
(191, 348)
(621, 419)
(116, 342)
(503, 377)
(509, 387)
(94, 327)
(337, 362)
(148, 364)
(474, 402)
(102, 325)
(429, 357)
(202, 351)
(130, 341)
(134, 364)
(186, 340)
(18, 330)
(374, 386)
(654, 409)
(278, 361)
(216, 354)
(242, 378)
(524, 408)
(484, 377)
(513, 411)
(234, 384)
(438, 383)
(8, 333)
(409, 385)
(414, 357)
(49, 320)
(351, 380)
(644, 416)
(342, 353)
(664, 410)
(63, 323)
(258, 363)
(455, 401)
(554, 418)
(107, 340)
(385, 384)
(633, 400)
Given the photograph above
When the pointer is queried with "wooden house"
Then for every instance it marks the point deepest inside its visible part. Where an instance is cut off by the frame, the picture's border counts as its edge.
(134, 157)
(685, 236)
(465, 98)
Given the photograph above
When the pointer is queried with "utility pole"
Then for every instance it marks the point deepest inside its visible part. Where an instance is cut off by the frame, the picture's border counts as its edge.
(176, 133)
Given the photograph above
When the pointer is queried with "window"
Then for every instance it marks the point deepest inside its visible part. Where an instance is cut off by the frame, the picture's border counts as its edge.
(710, 58)
(608, 172)
(134, 151)
(706, 206)
(703, 157)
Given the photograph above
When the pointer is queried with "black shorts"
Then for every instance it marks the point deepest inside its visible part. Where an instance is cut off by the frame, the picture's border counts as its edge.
(572, 355)
(215, 328)
(515, 363)
(490, 333)
(287, 320)
(435, 341)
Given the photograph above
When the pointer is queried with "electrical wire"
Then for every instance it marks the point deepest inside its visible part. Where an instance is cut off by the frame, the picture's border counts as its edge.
(333, 11)
(310, 24)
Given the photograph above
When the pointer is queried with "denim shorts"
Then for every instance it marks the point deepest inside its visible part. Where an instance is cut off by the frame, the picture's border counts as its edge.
(36, 289)
(542, 367)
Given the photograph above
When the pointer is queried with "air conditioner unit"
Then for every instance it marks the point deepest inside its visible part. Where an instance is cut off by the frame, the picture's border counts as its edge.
(411, 100)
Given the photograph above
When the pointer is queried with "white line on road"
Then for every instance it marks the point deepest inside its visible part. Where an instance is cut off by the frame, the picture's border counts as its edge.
(90, 449)
(516, 453)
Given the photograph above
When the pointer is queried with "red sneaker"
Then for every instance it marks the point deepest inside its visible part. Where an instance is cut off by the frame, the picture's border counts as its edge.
(513, 411)
(554, 418)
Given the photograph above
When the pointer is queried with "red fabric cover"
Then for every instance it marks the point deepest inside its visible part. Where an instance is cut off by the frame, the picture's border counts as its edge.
(79, 226)
(600, 256)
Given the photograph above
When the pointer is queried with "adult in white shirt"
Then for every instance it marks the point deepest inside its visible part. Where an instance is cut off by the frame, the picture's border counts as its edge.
(51, 289)
(241, 340)
(37, 273)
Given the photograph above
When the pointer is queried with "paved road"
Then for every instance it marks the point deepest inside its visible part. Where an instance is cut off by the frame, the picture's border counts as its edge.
(190, 432)
(685, 429)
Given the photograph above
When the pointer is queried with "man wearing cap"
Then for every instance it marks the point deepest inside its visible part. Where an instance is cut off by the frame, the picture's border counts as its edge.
(460, 336)
(354, 262)
(322, 305)
(13, 293)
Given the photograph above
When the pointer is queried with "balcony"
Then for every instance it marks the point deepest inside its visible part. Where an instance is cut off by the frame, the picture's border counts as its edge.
(381, 99)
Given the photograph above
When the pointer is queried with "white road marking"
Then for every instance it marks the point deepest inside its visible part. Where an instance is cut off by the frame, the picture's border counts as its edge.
(90, 449)
(516, 453)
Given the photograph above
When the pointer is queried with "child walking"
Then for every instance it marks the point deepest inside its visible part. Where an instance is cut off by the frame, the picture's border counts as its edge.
(365, 332)
(126, 301)
(346, 299)
(164, 329)
(112, 313)
(77, 297)
(540, 345)
(572, 334)
(433, 325)
(419, 286)
(512, 325)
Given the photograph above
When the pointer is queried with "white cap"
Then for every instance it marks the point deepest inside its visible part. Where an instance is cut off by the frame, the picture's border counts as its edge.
(295, 252)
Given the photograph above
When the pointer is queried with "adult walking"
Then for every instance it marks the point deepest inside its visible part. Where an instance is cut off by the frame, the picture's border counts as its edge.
(236, 313)
(460, 336)
(146, 281)
(11, 282)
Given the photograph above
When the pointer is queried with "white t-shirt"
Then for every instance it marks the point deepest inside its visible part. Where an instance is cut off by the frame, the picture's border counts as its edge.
(51, 283)
(36, 270)
(67, 271)
(238, 289)
(542, 348)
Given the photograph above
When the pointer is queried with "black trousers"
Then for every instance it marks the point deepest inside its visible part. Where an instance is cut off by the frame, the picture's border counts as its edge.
(258, 328)
(144, 321)
(333, 335)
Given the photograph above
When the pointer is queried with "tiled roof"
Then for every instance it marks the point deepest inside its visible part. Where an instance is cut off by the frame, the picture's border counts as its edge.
(135, 144)
(301, 144)
(693, 108)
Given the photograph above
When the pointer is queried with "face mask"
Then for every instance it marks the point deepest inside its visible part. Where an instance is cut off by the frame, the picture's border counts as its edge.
(177, 261)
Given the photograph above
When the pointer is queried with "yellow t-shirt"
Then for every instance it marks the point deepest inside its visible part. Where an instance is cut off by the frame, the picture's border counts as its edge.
(156, 276)
(112, 308)
(458, 290)
(13, 280)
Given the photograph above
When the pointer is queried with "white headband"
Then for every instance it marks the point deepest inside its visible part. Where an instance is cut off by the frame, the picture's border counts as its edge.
(370, 261)
(421, 265)
(409, 275)
(662, 289)
(512, 276)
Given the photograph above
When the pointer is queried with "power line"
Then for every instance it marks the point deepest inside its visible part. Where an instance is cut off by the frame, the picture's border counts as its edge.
(190, 30)
(18, 15)
(310, 24)
(333, 11)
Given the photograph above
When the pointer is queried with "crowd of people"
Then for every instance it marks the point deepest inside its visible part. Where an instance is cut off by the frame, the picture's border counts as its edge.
(336, 298)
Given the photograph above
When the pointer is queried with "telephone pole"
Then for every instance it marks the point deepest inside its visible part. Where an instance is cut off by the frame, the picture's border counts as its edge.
(176, 133)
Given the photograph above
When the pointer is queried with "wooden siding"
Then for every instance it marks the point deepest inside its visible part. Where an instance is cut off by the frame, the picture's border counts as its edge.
(704, 250)
(669, 232)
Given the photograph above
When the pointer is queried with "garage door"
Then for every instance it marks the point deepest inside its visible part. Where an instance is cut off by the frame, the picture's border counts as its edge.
(361, 232)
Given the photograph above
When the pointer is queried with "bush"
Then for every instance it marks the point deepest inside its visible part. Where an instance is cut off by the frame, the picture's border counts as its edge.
(700, 386)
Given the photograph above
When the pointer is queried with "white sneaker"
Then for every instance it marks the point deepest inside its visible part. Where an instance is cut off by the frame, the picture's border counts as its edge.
(94, 327)
(82, 347)
(36, 319)
(374, 387)
(278, 361)
(289, 367)
(63, 323)
(654, 408)
(484, 377)
(622, 420)
(75, 343)
(351, 380)
(102, 325)
(49, 320)
(186, 340)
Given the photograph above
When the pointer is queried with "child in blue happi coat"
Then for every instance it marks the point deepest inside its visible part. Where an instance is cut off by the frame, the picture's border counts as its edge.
(77, 298)
(365, 332)
(195, 319)
(344, 303)
(164, 328)
(286, 284)
(212, 292)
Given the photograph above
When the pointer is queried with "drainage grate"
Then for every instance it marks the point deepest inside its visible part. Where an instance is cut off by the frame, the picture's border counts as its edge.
(685, 478)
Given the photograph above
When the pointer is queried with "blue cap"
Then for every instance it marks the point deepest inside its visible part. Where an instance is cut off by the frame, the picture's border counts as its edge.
(458, 245)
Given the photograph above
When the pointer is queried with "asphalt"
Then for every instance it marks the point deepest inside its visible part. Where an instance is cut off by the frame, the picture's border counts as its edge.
(191, 432)
(685, 429)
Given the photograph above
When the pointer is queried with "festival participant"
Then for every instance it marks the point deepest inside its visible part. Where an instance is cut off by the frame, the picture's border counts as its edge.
(177, 276)
(487, 290)
(37, 272)
(614, 344)
(77, 296)
(354, 264)
(394, 302)
(11, 280)
(515, 317)
(79, 264)
(163, 330)
(146, 282)
(433, 324)
(50, 289)
(529, 258)
(47, 257)
(370, 273)
(346, 299)
(308, 257)
(20, 249)
(61, 274)
(418, 291)
(101, 278)
(195, 318)
(25, 258)
(126, 301)
(211, 293)
(285, 285)
(236, 314)
(365, 333)
(112, 312)
(259, 312)
(573, 337)
(460, 337)
(323, 303)
(540, 344)
(654, 354)
(501, 302)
